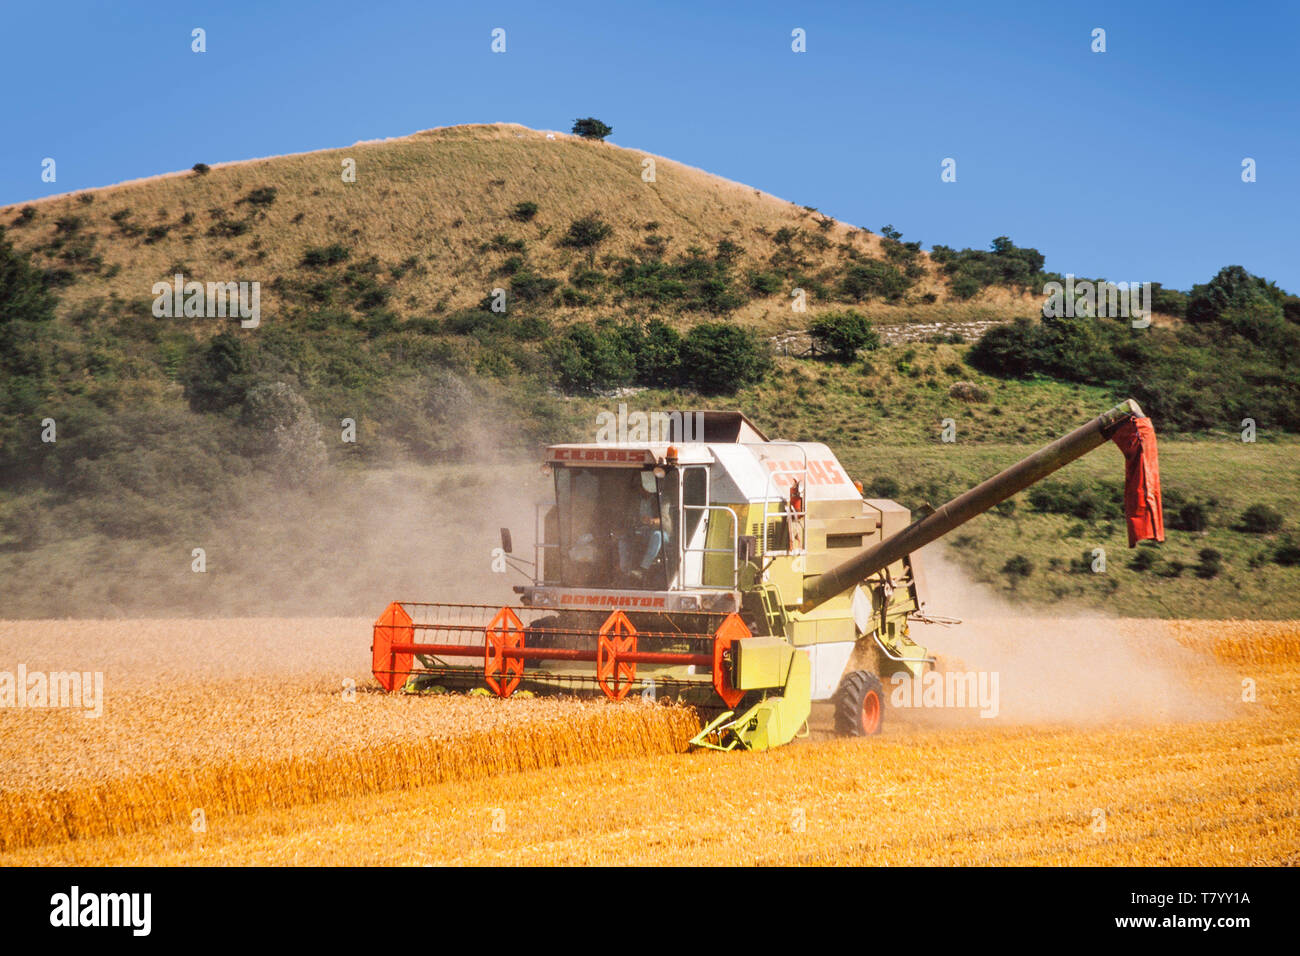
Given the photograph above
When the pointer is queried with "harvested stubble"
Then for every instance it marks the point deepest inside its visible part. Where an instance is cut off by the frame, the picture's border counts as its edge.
(550, 733)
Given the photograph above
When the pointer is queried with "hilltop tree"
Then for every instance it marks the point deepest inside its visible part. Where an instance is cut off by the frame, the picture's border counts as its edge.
(591, 128)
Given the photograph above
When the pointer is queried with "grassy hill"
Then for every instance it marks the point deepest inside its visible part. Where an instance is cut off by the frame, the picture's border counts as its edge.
(178, 433)
(440, 213)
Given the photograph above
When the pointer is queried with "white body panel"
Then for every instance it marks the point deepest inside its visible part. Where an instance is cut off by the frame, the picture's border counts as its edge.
(828, 663)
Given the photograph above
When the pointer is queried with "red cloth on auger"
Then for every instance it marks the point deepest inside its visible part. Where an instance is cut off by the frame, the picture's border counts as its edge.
(1146, 518)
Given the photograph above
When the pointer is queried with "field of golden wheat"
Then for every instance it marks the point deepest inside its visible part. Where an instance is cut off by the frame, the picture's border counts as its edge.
(288, 767)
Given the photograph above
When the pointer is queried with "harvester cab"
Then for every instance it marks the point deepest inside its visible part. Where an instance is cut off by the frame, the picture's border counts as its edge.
(719, 567)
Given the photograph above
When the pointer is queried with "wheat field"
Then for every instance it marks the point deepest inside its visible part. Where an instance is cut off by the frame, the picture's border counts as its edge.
(287, 771)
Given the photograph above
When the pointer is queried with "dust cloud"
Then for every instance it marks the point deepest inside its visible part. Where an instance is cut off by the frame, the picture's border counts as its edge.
(1067, 667)
(357, 540)
(337, 540)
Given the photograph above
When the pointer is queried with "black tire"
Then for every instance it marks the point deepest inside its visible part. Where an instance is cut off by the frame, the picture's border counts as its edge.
(859, 705)
(548, 637)
(552, 631)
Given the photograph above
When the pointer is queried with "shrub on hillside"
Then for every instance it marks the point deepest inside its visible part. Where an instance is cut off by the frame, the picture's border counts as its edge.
(139, 471)
(719, 359)
(882, 486)
(215, 376)
(589, 358)
(523, 211)
(764, 283)
(1144, 559)
(262, 196)
(964, 287)
(228, 228)
(1004, 263)
(1287, 554)
(1235, 301)
(23, 292)
(1006, 350)
(1209, 563)
(528, 286)
(657, 349)
(1087, 502)
(317, 257)
(435, 414)
(1193, 516)
(1168, 301)
(282, 427)
(873, 279)
(586, 232)
(693, 283)
(1016, 569)
(842, 333)
(1261, 519)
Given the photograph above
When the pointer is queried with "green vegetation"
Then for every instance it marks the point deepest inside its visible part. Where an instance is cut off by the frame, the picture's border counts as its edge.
(591, 128)
(523, 211)
(694, 283)
(171, 428)
(1006, 264)
(1217, 572)
(24, 294)
(1016, 569)
(1261, 519)
(1237, 358)
(843, 333)
(586, 232)
(712, 359)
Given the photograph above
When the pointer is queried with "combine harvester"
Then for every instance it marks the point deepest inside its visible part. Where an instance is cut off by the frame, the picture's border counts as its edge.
(731, 572)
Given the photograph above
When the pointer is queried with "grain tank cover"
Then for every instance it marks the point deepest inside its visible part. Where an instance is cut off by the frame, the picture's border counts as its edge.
(721, 427)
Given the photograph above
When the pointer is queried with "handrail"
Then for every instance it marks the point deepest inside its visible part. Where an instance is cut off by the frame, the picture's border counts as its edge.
(735, 543)
(770, 492)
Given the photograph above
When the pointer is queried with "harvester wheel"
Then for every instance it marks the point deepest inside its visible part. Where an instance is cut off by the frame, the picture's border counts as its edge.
(859, 705)
(551, 631)
(542, 632)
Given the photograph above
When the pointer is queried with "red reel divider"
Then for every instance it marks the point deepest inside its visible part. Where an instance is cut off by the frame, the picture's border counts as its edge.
(393, 627)
(615, 674)
(505, 631)
(732, 629)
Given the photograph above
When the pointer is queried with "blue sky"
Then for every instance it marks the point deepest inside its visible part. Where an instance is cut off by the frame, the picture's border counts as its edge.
(1124, 164)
